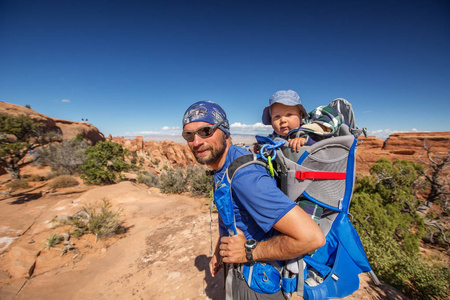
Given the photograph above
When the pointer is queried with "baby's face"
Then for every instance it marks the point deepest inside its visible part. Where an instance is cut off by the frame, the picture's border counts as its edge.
(285, 118)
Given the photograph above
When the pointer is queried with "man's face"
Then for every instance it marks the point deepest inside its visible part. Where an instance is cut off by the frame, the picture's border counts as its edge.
(210, 150)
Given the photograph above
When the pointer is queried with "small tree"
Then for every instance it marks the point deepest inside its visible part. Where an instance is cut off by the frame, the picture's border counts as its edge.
(18, 136)
(104, 163)
(434, 174)
(438, 181)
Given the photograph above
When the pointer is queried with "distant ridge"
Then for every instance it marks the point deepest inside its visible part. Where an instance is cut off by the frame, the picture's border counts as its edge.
(236, 138)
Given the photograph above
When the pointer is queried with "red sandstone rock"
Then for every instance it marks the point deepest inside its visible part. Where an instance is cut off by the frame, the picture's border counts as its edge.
(407, 146)
(68, 129)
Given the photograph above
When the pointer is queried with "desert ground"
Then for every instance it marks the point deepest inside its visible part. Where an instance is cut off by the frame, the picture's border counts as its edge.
(164, 253)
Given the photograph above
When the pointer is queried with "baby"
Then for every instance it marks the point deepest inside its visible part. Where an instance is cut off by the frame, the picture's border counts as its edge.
(286, 115)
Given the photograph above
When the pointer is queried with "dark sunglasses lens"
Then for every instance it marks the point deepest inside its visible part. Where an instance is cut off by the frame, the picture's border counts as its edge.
(188, 135)
(205, 131)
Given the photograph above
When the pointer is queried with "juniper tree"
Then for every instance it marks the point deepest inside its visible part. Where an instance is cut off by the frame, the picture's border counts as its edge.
(18, 136)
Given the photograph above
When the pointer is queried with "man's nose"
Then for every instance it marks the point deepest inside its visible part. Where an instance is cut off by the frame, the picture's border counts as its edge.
(197, 141)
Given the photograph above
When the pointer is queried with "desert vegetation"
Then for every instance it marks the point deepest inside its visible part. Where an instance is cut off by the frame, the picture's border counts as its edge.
(97, 218)
(18, 136)
(386, 214)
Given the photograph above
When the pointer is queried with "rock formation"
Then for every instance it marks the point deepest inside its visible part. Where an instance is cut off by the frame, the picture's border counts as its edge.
(156, 156)
(407, 146)
(68, 129)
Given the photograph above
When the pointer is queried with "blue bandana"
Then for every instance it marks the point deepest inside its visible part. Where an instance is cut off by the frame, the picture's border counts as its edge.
(209, 112)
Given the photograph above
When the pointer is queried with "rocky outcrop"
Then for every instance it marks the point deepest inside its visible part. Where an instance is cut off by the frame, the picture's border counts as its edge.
(407, 146)
(413, 142)
(157, 156)
(68, 129)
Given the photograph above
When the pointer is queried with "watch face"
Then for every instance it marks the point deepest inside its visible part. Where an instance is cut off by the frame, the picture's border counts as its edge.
(250, 243)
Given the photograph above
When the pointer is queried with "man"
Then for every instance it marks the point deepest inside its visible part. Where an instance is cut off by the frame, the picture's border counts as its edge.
(278, 227)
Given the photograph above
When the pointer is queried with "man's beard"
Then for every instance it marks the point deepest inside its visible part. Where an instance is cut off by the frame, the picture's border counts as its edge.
(215, 154)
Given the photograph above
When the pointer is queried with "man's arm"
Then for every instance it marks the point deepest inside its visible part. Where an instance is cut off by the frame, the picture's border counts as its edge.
(299, 235)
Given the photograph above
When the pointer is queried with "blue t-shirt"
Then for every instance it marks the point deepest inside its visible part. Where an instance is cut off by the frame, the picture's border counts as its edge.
(257, 201)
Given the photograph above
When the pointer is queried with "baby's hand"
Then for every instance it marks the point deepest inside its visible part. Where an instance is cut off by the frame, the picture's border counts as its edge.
(256, 148)
(296, 143)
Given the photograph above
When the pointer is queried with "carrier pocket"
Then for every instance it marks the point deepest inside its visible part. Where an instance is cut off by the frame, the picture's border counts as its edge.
(222, 200)
(263, 277)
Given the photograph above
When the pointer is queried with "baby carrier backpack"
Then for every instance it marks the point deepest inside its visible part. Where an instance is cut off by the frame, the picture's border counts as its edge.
(321, 180)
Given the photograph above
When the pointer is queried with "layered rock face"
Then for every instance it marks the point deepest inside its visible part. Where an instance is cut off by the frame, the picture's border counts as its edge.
(408, 146)
(68, 129)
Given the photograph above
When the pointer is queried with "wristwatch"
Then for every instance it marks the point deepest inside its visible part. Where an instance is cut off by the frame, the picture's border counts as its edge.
(249, 246)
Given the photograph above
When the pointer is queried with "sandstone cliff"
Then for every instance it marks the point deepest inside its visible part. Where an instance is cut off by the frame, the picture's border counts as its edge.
(407, 146)
(68, 129)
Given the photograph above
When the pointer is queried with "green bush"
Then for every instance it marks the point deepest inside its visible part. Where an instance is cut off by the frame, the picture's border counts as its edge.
(53, 240)
(63, 181)
(63, 158)
(151, 180)
(172, 181)
(104, 163)
(97, 218)
(384, 210)
(200, 183)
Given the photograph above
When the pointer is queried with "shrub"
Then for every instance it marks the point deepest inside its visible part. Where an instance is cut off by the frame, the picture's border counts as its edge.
(97, 218)
(384, 210)
(18, 184)
(34, 177)
(64, 158)
(104, 164)
(53, 240)
(172, 181)
(151, 180)
(200, 183)
(62, 181)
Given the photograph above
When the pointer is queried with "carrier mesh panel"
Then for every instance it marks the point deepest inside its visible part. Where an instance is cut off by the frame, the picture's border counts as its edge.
(332, 158)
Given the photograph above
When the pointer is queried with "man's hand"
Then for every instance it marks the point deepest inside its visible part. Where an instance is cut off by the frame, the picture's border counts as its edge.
(215, 264)
(232, 248)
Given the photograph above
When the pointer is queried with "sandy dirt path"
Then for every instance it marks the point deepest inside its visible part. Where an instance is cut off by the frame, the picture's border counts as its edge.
(163, 255)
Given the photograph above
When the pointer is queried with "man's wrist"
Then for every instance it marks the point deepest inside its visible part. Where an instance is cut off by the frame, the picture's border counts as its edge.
(250, 245)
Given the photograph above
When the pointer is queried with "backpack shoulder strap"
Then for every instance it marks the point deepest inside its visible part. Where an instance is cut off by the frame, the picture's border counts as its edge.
(241, 162)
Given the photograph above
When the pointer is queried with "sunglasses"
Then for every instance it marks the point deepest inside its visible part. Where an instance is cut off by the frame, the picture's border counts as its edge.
(203, 132)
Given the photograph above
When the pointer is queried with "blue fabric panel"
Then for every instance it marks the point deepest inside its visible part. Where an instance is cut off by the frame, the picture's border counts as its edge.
(346, 272)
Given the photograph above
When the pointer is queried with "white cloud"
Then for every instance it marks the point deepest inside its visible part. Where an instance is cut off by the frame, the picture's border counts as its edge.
(166, 130)
(65, 100)
(385, 133)
(253, 129)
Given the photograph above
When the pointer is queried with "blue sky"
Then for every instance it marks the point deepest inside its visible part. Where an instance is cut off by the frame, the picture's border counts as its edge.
(133, 67)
